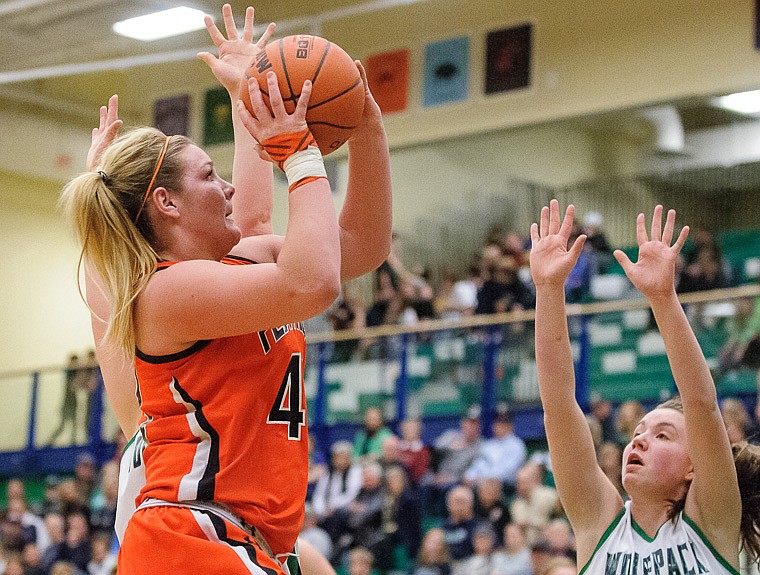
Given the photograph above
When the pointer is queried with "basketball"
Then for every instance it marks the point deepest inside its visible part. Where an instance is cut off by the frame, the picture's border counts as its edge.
(337, 96)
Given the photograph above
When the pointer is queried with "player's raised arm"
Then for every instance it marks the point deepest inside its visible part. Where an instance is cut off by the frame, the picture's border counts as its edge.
(251, 175)
(366, 218)
(713, 499)
(587, 496)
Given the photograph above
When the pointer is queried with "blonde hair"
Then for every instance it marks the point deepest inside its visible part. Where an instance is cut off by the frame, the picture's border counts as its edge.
(102, 206)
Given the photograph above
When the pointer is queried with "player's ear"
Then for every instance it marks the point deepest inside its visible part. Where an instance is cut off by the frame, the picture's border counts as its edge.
(165, 203)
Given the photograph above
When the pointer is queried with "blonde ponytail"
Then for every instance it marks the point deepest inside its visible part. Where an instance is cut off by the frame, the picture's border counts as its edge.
(101, 207)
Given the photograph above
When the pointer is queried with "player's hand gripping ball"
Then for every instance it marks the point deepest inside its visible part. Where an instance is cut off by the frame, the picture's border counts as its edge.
(337, 96)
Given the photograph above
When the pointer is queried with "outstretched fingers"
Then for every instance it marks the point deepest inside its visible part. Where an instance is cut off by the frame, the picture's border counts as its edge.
(264, 40)
(667, 232)
(216, 36)
(554, 222)
(641, 230)
(229, 22)
(567, 222)
(534, 235)
(624, 261)
(656, 231)
(248, 24)
(681, 240)
(544, 222)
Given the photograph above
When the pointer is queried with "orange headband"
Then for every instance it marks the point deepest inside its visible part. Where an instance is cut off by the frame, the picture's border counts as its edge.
(153, 179)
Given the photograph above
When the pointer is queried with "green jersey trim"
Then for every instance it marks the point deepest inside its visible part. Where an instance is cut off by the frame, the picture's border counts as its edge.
(604, 538)
(706, 541)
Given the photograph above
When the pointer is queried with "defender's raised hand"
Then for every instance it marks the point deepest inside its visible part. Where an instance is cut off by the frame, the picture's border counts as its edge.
(105, 133)
(653, 274)
(550, 259)
(235, 53)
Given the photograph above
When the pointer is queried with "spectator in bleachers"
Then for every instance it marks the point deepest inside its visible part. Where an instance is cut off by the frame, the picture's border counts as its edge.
(87, 383)
(611, 461)
(32, 525)
(386, 300)
(516, 246)
(454, 451)
(103, 515)
(13, 536)
(560, 538)
(14, 564)
(459, 526)
(363, 517)
(482, 560)
(737, 420)
(314, 534)
(71, 499)
(360, 561)
(52, 496)
(514, 557)
(434, 557)
(85, 477)
(337, 488)
(578, 282)
(69, 409)
(75, 547)
(31, 558)
(534, 502)
(102, 560)
(504, 290)
(629, 415)
(596, 240)
(414, 454)
(346, 313)
(560, 566)
(456, 297)
(500, 456)
(490, 507)
(601, 411)
(741, 349)
(317, 465)
(64, 568)
(368, 441)
(401, 521)
(704, 268)
(55, 523)
(390, 454)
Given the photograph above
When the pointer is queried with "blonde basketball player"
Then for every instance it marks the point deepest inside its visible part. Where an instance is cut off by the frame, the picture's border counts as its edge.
(687, 514)
(368, 148)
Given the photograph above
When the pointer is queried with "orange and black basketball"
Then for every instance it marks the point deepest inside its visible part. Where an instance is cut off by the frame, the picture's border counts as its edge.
(337, 96)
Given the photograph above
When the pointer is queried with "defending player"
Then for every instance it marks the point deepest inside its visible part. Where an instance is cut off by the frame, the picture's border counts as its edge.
(685, 511)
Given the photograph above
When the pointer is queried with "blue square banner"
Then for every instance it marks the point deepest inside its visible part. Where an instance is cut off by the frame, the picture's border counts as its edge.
(447, 70)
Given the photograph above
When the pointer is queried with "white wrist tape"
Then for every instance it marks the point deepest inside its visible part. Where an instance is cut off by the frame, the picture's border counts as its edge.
(304, 164)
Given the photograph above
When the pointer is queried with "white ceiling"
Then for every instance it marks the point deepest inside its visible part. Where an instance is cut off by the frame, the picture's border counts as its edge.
(62, 55)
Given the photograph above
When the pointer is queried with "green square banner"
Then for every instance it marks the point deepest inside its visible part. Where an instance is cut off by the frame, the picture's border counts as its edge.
(217, 117)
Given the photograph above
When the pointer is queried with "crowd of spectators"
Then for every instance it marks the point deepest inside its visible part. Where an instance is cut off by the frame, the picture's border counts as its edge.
(465, 502)
(447, 512)
(70, 531)
(498, 280)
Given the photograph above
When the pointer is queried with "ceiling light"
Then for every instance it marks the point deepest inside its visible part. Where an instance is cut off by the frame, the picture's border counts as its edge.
(742, 102)
(161, 24)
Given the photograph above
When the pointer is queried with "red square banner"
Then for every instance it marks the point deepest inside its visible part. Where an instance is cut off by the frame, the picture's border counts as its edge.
(388, 78)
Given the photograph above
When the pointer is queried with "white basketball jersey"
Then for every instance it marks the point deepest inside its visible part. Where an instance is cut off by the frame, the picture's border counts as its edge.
(678, 548)
(131, 481)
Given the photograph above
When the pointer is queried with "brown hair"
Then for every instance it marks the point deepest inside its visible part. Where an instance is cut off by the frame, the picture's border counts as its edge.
(102, 206)
(747, 461)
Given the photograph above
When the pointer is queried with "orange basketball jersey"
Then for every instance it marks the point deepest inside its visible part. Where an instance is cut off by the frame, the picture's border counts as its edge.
(226, 421)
